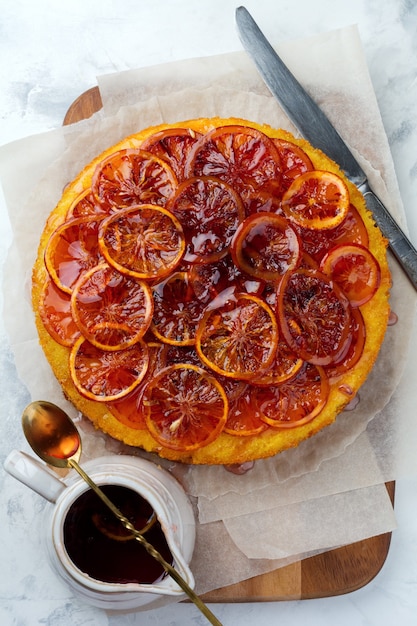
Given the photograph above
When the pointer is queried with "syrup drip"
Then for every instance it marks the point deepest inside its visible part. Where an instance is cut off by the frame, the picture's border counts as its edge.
(352, 404)
(348, 391)
(392, 319)
(240, 468)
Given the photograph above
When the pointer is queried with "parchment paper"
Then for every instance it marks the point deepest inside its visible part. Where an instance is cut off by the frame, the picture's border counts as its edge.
(318, 484)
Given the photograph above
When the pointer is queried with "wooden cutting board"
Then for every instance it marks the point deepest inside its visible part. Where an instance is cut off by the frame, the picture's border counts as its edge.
(332, 573)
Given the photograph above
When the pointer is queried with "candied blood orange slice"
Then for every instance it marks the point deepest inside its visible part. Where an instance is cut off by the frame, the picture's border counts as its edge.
(185, 407)
(266, 246)
(128, 410)
(314, 316)
(239, 337)
(353, 350)
(86, 204)
(112, 311)
(71, 250)
(55, 312)
(259, 201)
(181, 354)
(103, 375)
(177, 311)
(295, 402)
(244, 418)
(209, 211)
(243, 157)
(355, 269)
(144, 241)
(130, 176)
(210, 279)
(172, 145)
(351, 230)
(294, 161)
(316, 199)
(285, 365)
(308, 262)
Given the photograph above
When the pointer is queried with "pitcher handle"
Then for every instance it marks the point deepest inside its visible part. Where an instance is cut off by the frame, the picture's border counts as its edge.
(34, 474)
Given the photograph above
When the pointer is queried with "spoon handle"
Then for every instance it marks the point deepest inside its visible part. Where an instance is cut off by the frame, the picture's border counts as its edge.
(148, 546)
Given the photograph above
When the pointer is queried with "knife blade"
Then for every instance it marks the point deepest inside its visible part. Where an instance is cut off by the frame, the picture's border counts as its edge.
(319, 131)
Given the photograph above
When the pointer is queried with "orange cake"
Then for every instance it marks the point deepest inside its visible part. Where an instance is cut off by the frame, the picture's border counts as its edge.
(214, 291)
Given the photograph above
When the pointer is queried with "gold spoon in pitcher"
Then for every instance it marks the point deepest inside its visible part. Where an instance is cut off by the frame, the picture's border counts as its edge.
(53, 436)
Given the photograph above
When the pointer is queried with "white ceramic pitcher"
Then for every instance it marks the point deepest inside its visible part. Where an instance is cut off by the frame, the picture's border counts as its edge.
(154, 484)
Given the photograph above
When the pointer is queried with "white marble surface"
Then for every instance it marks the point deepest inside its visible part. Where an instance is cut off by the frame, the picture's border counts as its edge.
(50, 53)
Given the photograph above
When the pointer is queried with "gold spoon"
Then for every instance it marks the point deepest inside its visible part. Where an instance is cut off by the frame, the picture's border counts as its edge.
(54, 437)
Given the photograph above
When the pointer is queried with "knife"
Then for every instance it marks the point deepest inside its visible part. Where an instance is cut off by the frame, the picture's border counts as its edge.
(318, 130)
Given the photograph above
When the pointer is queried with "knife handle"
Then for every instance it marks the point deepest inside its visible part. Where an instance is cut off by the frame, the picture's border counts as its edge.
(399, 243)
